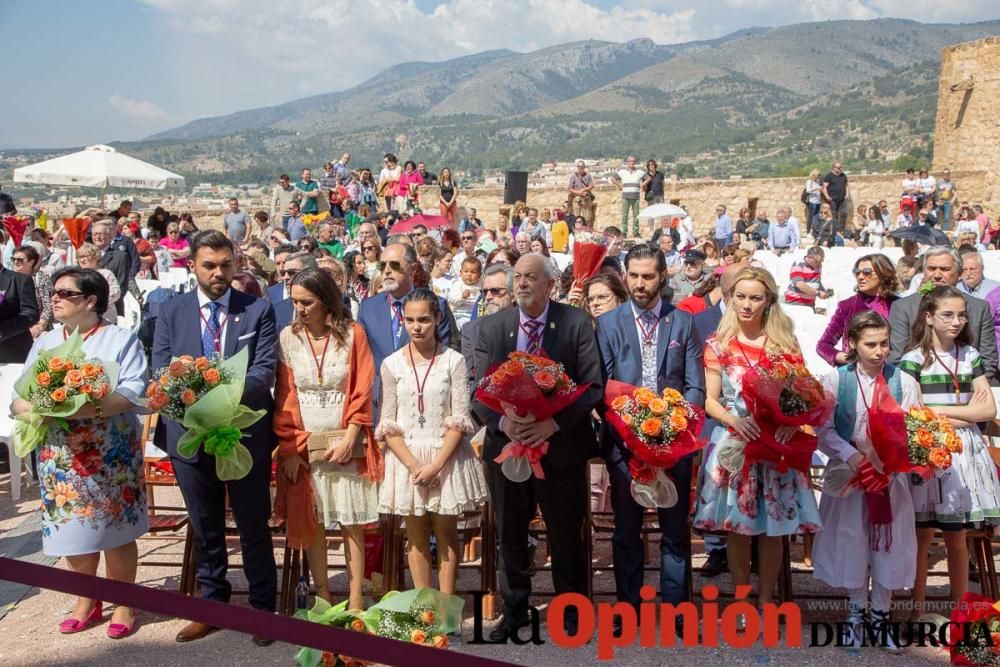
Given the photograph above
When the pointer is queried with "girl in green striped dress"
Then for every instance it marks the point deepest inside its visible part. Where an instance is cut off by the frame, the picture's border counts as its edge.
(953, 384)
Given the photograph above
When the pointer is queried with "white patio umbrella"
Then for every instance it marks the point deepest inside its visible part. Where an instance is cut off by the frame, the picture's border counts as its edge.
(98, 167)
(662, 211)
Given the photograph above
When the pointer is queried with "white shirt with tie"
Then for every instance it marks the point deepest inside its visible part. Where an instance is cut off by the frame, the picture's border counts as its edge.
(205, 313)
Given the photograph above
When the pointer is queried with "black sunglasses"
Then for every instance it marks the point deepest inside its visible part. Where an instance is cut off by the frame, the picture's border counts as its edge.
(495, 291)
(291, 273)
(864, 272)
(18, 260)
(66, 293)
(393, 264)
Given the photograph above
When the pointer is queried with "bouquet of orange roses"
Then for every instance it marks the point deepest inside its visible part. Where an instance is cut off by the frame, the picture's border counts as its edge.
(931, 442)
(526, 388)
(58, 384)
(204, 396)
(658, 430)
(779, 391)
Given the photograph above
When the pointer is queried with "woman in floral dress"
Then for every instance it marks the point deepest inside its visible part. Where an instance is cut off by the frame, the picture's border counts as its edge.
(91, 476)
(759, 500)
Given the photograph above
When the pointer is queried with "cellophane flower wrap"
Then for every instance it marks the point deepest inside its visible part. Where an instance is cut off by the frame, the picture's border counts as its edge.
(204, 396)
(60, 382)
(589, 250)
(312, 220)
(526, 388)
(980, 617)
(931, 440)
(779, 391)
(422, 616)
(16, 226)
(658, 430)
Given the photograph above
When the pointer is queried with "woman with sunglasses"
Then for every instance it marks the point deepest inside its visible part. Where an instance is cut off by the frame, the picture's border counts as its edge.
(91, 473)
(26, 260)
(371, 251)
(177, 245)
(876, 289)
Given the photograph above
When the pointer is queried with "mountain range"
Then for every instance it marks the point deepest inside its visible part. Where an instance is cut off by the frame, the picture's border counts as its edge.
(759, 101)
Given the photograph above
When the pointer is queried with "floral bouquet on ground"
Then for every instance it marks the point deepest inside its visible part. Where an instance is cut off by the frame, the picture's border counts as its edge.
(335, 616)
(779, 391)
(526, 388)
(589, 250)
(931, 440)
(975, 619)
(58, 384)
(658, 431)
(424, 616)
(203, 395)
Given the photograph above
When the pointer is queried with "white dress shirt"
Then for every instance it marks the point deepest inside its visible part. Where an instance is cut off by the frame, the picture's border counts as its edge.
(206, 313)
(522, 337)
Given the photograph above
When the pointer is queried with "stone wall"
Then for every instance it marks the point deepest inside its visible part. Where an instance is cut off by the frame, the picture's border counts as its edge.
(967, 131)
(702, 196)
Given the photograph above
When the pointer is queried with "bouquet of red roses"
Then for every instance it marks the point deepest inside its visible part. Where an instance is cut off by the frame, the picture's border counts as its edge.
(526, 388)
(658, 431)
(975, 631)
(589, 250)
(780, 391)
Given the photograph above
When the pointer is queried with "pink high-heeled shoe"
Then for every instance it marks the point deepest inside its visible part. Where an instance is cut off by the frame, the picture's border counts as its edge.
(70, 625)
(120, 630)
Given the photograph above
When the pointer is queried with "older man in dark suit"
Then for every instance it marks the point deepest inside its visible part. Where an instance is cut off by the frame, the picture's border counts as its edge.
(646, 343)
(566, 334)
(215, 320)
(943, 266)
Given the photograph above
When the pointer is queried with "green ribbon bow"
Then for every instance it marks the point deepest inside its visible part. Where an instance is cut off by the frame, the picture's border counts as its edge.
(927, 287)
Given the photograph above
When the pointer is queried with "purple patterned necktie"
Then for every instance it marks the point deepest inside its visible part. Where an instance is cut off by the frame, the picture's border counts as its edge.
(533, 330)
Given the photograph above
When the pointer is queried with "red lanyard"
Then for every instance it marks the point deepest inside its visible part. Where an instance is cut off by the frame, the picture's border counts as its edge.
(319, 361)
(86, 335)
(421, 384)
(647, 333)
(861, 389)
(218, 335)
(953, 373)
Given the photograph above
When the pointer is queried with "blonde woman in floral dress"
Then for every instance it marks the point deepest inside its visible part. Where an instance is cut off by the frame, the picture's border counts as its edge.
(758, 500)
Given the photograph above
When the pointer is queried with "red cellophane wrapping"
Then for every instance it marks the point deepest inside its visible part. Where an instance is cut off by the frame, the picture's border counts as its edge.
(887, 429)
(762, 392)
(665, 457)
(520, 391)
(972, 608)
(16, 226)
(587, 258)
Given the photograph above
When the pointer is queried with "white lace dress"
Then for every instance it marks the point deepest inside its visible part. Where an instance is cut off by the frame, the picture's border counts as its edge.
(342, 495)
(462, 487)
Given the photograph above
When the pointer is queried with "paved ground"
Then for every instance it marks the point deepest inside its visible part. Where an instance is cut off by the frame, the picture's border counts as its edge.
(30, 637)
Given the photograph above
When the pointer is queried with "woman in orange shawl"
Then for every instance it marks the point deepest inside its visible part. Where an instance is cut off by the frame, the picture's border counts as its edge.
(324, 412)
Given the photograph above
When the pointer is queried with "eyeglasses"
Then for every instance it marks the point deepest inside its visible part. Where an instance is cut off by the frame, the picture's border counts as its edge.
(495, 291)
(951, 317)
(864, 272)
(370, 248)
(468, 238)
(291, 273)
(392, 264)
(18, 260)
(66, 293)
(598, 299)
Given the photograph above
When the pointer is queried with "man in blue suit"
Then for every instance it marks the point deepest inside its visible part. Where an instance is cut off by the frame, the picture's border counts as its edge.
(294, 264)
(646, 343)
(382, 315)
(215, 320)
(279, 291)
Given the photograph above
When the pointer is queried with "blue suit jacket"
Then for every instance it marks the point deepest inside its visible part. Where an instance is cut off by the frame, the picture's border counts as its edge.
(707, 321)
(375, 317)
(678, 357)
(250, 325)
(283, 313)
(276, 293)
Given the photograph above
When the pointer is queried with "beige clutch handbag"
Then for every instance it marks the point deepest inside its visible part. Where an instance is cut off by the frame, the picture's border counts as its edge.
(319, 443)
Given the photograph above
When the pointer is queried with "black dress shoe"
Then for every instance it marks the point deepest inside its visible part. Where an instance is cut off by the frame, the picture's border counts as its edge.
(716, 564)
(261, 641)
(617, 631)
(507, 626)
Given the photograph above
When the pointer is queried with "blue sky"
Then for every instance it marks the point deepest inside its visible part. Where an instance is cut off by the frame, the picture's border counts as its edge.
(94, 71)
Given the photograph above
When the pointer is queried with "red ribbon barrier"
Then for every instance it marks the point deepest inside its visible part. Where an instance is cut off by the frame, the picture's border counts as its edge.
(240, 619)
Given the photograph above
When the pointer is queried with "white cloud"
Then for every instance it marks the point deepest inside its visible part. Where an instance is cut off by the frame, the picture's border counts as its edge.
(138, 109)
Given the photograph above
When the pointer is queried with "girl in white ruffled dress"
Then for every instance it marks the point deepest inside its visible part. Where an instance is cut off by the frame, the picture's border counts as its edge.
(432, 475)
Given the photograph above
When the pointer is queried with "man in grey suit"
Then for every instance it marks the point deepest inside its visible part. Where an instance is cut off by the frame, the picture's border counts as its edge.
(498, 293)
(942, 266)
